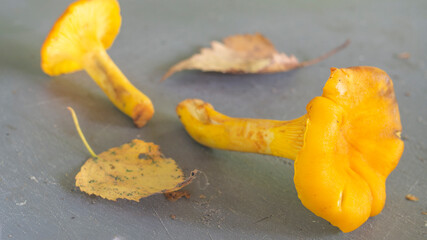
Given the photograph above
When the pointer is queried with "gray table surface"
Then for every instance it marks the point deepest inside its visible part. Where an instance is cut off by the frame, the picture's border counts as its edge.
(250, 196)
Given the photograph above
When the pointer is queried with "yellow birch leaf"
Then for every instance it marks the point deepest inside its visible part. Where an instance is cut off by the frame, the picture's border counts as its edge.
(239, 54)
(132, 171)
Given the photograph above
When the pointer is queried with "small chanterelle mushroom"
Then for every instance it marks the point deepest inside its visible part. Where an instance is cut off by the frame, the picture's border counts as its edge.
(79, 40)
(344, 147)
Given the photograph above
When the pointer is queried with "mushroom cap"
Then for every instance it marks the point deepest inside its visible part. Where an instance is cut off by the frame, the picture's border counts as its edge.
(85, 25)
(351, 144)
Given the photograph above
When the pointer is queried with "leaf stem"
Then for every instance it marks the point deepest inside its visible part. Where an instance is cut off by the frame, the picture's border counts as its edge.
(324, 56)
(76, 123)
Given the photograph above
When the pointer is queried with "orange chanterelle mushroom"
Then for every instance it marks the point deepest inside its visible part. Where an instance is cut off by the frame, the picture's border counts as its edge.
(78, 40)
(344, 147)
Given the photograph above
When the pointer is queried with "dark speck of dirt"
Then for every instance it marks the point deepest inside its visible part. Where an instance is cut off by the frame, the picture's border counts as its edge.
(93, 199)
(404, 138)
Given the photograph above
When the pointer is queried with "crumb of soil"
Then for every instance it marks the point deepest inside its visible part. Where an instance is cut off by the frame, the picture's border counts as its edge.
(173, 196)
(404, 55)
(411, 197)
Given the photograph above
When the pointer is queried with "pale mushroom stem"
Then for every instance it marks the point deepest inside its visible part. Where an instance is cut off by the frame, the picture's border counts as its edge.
(117, 87)
(215, 130)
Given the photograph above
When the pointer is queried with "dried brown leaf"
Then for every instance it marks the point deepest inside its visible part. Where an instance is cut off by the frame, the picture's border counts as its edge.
(244, 54)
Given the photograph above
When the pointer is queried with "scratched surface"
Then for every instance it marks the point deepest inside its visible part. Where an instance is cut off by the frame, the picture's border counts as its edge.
(249, 196)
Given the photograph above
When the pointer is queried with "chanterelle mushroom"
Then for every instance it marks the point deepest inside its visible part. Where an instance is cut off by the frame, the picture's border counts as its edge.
(78, 40)
(344, 147)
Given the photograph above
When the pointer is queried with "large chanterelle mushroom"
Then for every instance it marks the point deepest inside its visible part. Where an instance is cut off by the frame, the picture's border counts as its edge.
(344, 147)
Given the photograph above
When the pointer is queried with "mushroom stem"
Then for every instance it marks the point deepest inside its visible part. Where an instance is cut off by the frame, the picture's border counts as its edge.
(118, 88)
(213, 129)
